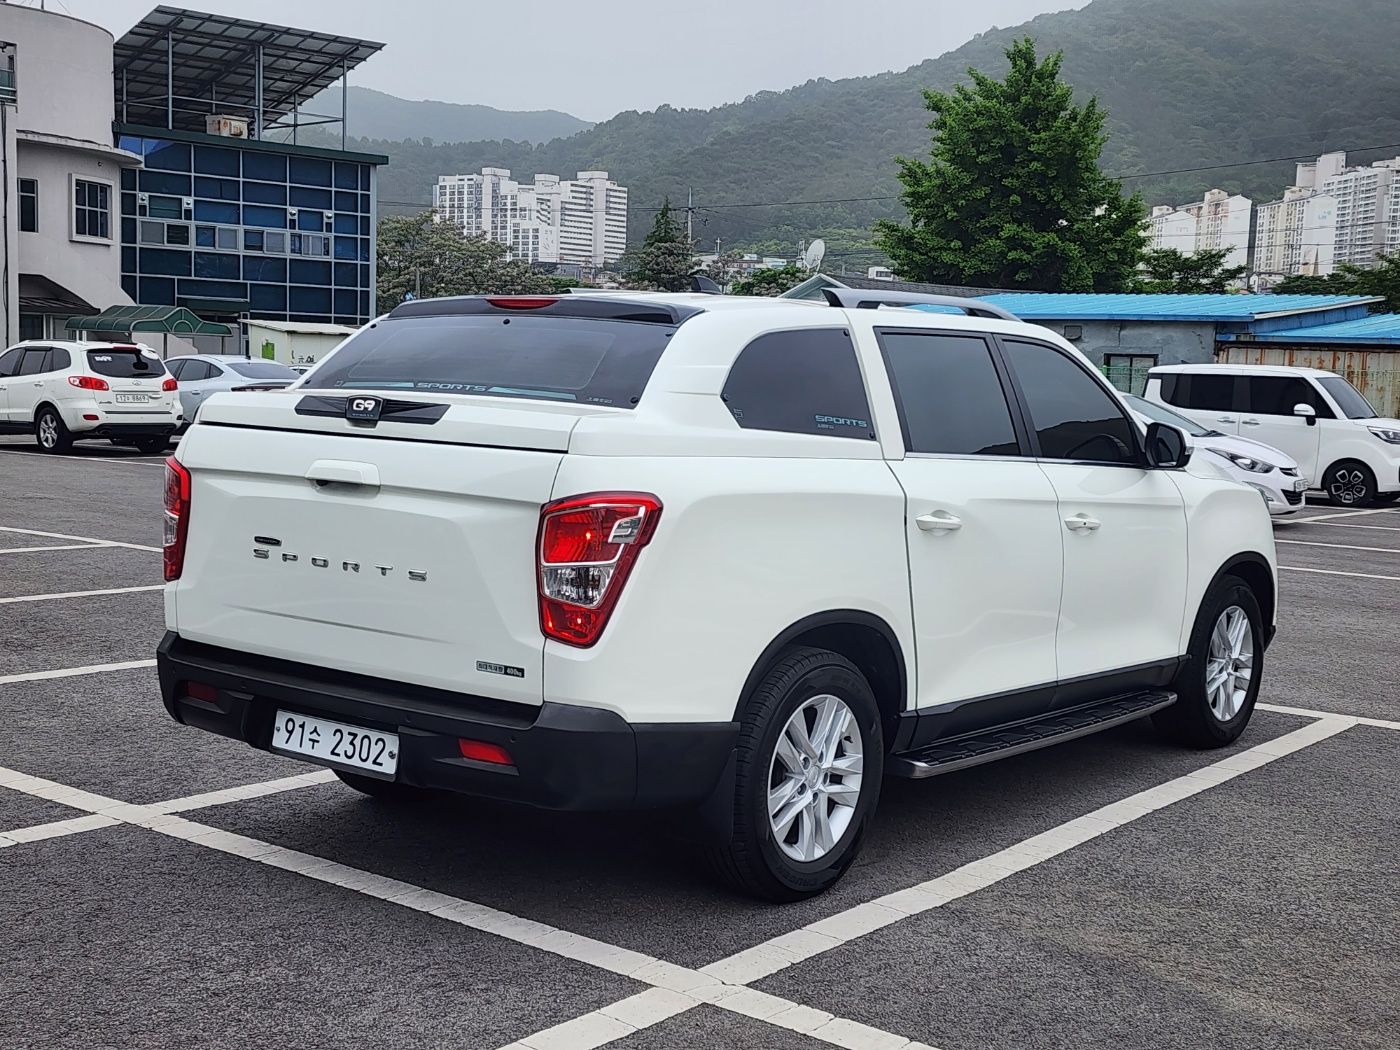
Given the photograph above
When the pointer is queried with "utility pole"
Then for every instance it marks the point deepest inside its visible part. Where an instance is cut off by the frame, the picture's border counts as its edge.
(690, 215)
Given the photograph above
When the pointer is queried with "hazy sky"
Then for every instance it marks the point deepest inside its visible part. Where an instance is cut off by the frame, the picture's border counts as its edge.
(596, 59)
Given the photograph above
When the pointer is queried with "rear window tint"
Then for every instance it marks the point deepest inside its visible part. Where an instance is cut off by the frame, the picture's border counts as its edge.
(1209, 392)
(572, 359)
(262, 370)
(802, 382)
(121, 363)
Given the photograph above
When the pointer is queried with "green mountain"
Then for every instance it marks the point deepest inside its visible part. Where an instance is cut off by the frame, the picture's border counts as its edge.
(376, 115)
(1187, 83)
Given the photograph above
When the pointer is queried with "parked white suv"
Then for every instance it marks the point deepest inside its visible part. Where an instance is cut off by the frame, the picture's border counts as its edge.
(743, 556)
(1316, 417)
(63, 392)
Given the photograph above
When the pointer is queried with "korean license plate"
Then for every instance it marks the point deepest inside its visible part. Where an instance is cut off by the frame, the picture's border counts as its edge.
(132, 399)
(336, 743)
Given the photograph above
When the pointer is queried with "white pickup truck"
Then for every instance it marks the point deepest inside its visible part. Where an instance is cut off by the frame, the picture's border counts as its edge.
(740, 557)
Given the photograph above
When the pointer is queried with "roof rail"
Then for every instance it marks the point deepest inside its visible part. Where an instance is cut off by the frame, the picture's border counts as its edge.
(868, 299)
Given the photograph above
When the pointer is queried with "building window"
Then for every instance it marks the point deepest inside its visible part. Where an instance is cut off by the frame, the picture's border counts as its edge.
(28, 206)
(92, 209)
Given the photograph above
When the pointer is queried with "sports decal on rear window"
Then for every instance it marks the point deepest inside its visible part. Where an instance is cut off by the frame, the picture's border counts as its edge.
(832, 422)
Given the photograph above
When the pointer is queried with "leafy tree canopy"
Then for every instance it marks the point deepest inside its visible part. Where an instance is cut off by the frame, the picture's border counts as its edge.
(1383, 280)
(1012, 195)
(666, 258)
(1168, 270)
(772, 281)
(425, 258)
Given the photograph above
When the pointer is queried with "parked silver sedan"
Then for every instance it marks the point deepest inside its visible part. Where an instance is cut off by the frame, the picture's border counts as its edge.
(201, 375)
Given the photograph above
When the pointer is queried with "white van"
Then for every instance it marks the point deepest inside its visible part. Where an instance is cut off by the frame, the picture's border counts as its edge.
(1316, 417)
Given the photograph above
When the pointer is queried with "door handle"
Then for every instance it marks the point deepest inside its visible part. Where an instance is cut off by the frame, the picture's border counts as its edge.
(39, 383)
(1250, 422)
(195, 393)
(938, 521)
(1082, 523)
(1226, 419)
(343, 472)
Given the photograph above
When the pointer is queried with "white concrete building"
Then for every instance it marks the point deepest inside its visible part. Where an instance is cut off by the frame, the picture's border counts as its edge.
(1219, 220)
(61, 230)
(1364, 213)
(1296, 235)
(579, 221)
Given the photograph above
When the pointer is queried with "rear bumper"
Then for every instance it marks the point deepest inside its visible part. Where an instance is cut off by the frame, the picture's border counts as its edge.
(127, 430)
(566, 757)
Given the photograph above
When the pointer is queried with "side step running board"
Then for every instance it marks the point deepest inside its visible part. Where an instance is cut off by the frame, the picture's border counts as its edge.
(947, 756)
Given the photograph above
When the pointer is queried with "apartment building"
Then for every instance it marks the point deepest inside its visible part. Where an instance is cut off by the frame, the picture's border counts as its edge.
(1296, 235)
(1219, 220)
(1365, 214)
(580, 221)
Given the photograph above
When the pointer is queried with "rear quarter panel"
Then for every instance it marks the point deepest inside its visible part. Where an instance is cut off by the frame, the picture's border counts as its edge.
(745, 548)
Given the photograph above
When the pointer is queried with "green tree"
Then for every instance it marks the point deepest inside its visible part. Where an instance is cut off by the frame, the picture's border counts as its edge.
(428, 259)
(1012, 195)
(1168, 270)
(666, 258)
(1383, 279)
(773, 281)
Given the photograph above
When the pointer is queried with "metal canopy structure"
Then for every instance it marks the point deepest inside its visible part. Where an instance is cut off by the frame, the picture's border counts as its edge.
(176, 67)
(169, 320)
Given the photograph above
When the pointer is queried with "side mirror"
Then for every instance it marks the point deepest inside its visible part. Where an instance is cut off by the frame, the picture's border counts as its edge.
(1307, 412)
(1167, 447)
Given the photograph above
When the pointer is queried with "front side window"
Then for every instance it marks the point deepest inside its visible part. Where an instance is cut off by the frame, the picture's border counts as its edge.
(1350, 400)
(9, 361)
(92, 209)
(1277, 396)
(1074, 417)
(28, 206)
(949, 395)
(801, 382)
(36, 361)
(1202, 391)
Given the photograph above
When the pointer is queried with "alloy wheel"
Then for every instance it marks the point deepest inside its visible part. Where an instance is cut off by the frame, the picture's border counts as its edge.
(1230, 663)
(1347, 485)
(48, 430)
(814, 779)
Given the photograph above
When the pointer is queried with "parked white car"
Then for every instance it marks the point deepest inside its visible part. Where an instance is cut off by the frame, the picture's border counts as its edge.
(1275, 476)
(201, 375)
(736, 556)
(63, 392)
(1317, 417)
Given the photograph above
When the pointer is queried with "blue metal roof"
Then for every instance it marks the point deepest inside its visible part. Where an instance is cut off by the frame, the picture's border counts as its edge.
(1377, 328)
(1037, 306)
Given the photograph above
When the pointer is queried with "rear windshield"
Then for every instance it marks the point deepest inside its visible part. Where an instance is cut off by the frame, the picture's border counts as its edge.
(262, 370)
(122, 363)
(574, 359)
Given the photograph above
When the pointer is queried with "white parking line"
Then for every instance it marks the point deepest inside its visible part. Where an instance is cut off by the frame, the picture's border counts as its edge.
(80, 539)
(1346, 514)
(1339, 546)
(678, 988)
(63, 547)
(1338, 572)
(125, 461)
(768, 958)
(1378, 723)
(79, 594)
(1341, 525)
(71, 672)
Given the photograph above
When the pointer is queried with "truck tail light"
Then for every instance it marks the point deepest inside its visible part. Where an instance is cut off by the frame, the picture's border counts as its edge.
(177, 516)
(169, 384)
(587, 547)
(88, 383)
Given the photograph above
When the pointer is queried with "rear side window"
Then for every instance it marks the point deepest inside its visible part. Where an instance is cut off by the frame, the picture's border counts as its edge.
(1276, 396)
(573, 359)
(801, 382)
(262, 370)
(949, 394)
(59, 359)
(123, 363)
(1212, 392)
(1074, 417)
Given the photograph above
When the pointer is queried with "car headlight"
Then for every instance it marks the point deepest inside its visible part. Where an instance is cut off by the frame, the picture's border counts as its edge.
(1386, 434)
(1254, 466)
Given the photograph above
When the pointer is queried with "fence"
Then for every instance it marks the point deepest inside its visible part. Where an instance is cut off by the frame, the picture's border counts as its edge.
(1131, 379)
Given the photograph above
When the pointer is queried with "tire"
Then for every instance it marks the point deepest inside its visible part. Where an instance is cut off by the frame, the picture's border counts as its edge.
(1200, 718)
(152, 444)
(383, 790)
(1350, 483)
(763, 857)
(50, 433)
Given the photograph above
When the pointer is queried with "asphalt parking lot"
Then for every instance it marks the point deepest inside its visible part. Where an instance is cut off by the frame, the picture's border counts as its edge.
(162, 887)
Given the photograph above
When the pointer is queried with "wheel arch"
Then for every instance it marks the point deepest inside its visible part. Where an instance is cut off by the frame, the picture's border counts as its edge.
(865, 639)
(1257, 573)
(47, 403)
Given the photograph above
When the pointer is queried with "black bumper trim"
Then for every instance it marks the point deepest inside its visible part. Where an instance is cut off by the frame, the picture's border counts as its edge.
(566, 757)
(121, 430)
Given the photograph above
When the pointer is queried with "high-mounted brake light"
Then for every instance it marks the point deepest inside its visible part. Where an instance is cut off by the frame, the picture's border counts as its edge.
(88, 383)
(521, 302)
(169, 384)
(177, 516)
(587, 547)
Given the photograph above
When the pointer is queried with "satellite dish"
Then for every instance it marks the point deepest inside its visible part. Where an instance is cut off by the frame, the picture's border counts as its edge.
(815, 253)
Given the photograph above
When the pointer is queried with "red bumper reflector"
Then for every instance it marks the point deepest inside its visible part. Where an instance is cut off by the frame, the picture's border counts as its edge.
(91, 417)
(201, 691)
(481, 751)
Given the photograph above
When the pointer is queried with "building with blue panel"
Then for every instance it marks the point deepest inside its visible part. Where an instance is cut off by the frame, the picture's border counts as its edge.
(232, 213)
